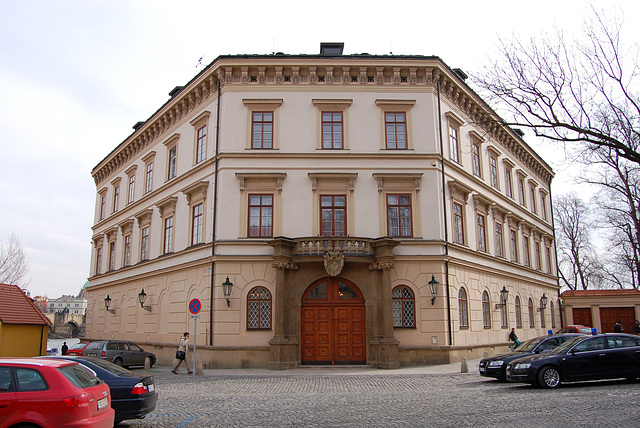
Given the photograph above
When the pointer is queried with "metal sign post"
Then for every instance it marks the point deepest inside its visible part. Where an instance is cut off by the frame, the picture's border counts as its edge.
(194, 308)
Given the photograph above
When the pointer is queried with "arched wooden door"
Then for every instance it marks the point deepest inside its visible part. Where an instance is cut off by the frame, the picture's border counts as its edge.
(333, 323)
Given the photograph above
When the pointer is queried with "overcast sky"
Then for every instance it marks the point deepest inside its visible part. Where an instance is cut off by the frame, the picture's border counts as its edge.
(75, 76)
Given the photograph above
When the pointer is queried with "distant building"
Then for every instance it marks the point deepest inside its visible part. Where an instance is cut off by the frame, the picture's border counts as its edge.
(72, 304)
(24, 329)
(41, 302)
(601, 309)
(310, 203)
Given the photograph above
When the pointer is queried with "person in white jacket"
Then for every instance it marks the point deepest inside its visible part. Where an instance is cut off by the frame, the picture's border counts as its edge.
(181, 354)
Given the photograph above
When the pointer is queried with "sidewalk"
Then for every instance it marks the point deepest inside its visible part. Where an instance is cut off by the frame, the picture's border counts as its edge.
(336, 370)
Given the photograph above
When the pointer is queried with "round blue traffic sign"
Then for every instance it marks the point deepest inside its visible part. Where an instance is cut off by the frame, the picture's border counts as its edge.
(194, 306)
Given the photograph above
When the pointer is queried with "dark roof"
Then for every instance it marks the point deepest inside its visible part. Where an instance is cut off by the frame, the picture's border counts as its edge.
(587, 293)
(17, 308)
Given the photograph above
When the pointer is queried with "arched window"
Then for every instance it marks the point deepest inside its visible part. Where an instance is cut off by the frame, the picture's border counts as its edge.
(543, 323)
(532, 323)
(504, 311)
(259, 309)
(486, 310)
(518, 313)
(553, 315)
(404, 312)
(463, 308)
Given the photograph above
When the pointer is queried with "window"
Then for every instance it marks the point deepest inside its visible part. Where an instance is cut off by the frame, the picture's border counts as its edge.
(103, 206)
(196, 225)
(463, 308)
(396, 130)
(514, 245)
(525, 244)
(127, 250)
(518, 313)
(399, 215)
(260, 216)
(507, 182)
(454, 148)
(493, 166)
(482, 235)
(553, 314)
(458, 224)
(112, 255)
(201, 144)
(333, 215)
(521, 191)
(144, 243)
(504, 319)
(548, 258)
(403, 307)
(486, 310)
(98, 260)
(475, 154)
(332, 130)
(262, 130)
(532, 192)
(543, 205)
(542, 320)
(259, 309)
(538, 259)
(168, 235)
(531, 314)
(148, 179)
(32, 380)
(173, 159)
(499, 241)
(132, 187)
(116, 198)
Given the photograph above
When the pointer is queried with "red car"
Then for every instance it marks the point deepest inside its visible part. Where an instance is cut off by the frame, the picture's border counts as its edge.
(77, 349)
(575, 329)
(52, 394)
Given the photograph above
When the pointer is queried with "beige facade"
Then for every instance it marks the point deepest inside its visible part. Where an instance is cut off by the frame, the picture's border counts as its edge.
(601, 309)
(293, 176)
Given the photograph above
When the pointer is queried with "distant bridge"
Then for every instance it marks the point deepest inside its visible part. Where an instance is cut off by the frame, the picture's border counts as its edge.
(67, 325)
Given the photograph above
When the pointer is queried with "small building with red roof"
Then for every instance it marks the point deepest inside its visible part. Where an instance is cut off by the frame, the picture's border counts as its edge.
(24, 329)
(601, 308)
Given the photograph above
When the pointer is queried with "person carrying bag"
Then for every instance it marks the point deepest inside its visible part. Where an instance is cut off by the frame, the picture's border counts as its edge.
(181, 354)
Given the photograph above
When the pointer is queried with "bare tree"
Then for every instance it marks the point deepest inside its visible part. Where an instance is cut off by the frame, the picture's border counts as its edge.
(579, 268)
(13, 262)
(580, 92)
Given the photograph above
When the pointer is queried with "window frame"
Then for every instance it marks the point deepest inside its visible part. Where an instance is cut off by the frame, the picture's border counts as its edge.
(499, 236)
(260, 309)
(532, 318)
(458, 223)
(261, 216)
(116, 198)
(481, 231)
(200, 126)
(167, 235)
(333, 209)
(394, 130)
(144, 243)
(508, 180)
(197, 215)
(518, 309)
(476, 158)
(330, 106)
(406, 323)
(332, 123)
(486, 310)
(513, 238)
(399, 216)
(262, 141)
(262, 105)
(463, 308)
(126, 250)
(526, 251)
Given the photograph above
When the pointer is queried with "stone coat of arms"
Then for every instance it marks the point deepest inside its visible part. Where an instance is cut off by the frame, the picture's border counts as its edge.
(333, 262)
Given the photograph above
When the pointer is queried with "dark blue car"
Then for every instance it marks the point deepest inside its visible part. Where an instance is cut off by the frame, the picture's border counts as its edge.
(133, 396)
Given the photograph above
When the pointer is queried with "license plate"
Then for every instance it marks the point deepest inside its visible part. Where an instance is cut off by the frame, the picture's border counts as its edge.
(482, 370)
(102, 403)
(151, 387)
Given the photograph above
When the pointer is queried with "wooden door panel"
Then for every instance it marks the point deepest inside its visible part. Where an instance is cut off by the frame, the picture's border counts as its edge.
(582, 316)
(609, 316)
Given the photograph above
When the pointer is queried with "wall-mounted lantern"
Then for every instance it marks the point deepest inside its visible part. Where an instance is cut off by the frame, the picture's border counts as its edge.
(142, 297)
(504, 295)
(543, 303)
(434, 285)
(227, 286)
(107, 303)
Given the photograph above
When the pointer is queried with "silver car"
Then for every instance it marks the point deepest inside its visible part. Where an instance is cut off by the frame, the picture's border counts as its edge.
(120, 352)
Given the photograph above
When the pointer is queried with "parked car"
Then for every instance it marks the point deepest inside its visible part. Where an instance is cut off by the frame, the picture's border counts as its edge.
(120, 352)
(496, 365)
(575, 329)
(133, 396)
(603, 356)
(51, 394)
(77, 349)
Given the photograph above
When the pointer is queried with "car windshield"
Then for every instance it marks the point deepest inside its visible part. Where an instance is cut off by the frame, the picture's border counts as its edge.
(530, 345)
(78, 346)
(585, 330)
(562, 349)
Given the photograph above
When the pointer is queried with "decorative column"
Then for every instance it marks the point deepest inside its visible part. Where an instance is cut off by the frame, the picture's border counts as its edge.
(284, 344)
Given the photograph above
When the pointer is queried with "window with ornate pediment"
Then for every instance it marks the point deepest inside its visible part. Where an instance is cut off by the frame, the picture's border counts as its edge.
(131, 178)
(148, 175)
(172, 156)
(167, 208)
(459, 195)
(98, 241)
(263, 120)
(454, 123)
(144, 225)
(332, 203)
(332, 123)
(196, 199)
(396, 116)
(399, 199)
(200, 125)
(115, 184)
(260, 204)
(102, 203)
(259, 309)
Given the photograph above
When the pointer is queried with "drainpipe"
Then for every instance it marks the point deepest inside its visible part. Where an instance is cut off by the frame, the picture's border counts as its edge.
(444, 210)
(555, 250)
(215, 210)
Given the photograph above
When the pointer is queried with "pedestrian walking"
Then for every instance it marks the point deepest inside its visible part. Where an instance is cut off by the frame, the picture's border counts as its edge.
(636, 328)
(617, 327)
(514, 337)
(181, 354)
(65, 348)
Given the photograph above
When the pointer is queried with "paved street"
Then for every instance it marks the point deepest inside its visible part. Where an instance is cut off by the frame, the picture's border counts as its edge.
(438, 396)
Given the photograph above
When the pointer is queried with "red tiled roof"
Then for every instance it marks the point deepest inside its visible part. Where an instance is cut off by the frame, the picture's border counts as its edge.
(586, 293)
(17, 308)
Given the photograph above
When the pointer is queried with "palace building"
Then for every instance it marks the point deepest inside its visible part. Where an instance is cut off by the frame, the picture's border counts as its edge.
(323, 209)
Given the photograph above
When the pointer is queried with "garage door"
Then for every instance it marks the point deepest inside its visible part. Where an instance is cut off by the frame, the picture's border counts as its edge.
(609, 316)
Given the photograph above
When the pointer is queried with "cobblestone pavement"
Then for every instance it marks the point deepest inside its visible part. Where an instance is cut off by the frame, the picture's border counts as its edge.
(364, 397)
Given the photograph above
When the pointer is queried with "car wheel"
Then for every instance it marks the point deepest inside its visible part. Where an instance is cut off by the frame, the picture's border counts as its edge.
(150, 362)
(118, 361)
(549, 377)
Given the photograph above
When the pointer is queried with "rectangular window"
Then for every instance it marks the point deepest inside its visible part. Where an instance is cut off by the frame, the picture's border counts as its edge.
(499, 241)
(99, 261)
(331, 130)
(525, 244)
(475, 152)
(173, 158)
(148, 180)
(333, 215)
(260, 216)
(127, 250)
(112, 255)
(132, 188)
(493, 164)
(144, 244)
(454, 149)
(396, 130)
(168, 235)
(262, 130)
(201, 146)
(458, 223)
(532, 192)
(507, 180)
(399, 215)
(196, 225)
(116, 198)
(543, 206)
(103, 206)
(521, 190)
(548, 259)
(538, 259)
(482, 235)
(514, 245)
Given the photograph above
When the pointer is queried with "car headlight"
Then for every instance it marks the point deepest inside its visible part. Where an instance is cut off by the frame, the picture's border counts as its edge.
(521, 366)
(496, 363)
